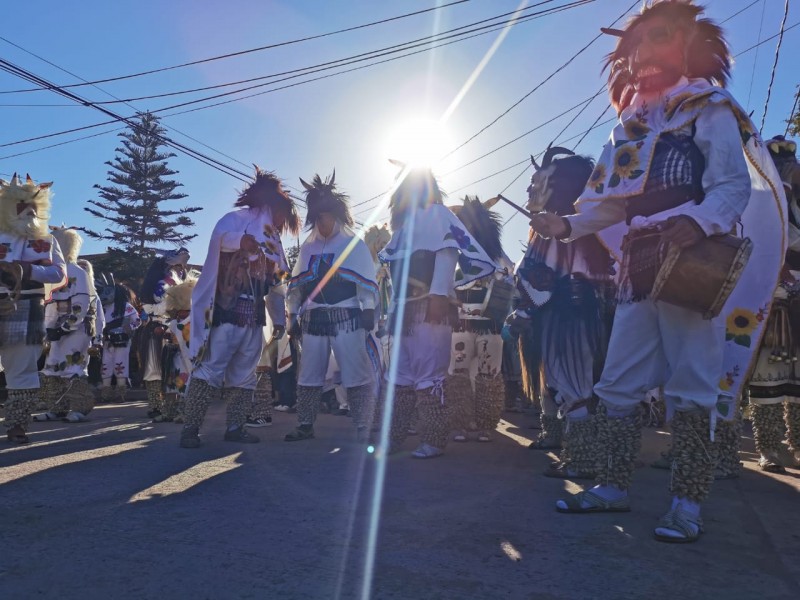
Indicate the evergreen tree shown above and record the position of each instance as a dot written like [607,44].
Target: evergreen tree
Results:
[133,203]
[794,120]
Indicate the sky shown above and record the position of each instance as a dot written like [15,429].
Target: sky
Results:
[431,102]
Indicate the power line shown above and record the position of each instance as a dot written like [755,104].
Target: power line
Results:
[251,50]
[183,104]
[364,56]
[539,85]
[774,64]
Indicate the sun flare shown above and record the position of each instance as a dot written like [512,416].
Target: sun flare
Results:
[418,142]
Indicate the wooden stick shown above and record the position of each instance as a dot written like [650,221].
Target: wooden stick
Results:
[517,206]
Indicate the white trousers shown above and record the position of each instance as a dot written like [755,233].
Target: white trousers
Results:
[232,356]
[116,362]
[19,364]
[654,344]
[424,356]
[350,350]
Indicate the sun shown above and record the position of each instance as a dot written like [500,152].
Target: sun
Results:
[418,142]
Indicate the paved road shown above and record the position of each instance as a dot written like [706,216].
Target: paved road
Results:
[112,508]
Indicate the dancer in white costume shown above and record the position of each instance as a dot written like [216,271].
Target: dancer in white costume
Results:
[69,321]
[29,259]
[332,297]
[245,260]
[428,243]
[122,319]
[684,163]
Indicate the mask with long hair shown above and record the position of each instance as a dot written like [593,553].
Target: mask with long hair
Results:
[323,197]
[416,191]
[483,224]
[267,190]
[706,53]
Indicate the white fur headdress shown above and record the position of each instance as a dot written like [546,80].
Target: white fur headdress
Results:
[70,242]
[17,197]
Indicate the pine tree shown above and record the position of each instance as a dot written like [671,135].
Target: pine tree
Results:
[140,224]
[794,119]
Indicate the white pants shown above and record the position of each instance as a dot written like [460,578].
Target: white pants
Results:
[350,350]
[19,364]
[424,356]
[232,355]
[116,362]
[655,343]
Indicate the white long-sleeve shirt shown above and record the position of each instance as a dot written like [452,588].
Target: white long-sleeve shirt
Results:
[725,181]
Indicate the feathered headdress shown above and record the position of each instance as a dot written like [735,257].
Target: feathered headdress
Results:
[17,197]
[707,54]
[418,190]
[483,224]
[70,242]
[323,197]
[267,189]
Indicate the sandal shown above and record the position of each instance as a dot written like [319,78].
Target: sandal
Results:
[574,503]
[427,451]
[562,471]
[769,465]
[689,526]
[484,437]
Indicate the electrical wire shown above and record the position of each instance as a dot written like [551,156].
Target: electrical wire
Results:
[775,64]
[183,104]
[248,51]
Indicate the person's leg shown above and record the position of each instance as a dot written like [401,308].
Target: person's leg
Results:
[240,383]
[634,364]
[694,349]
[792,418]
[22,383]
[551,435]
[768,429]
[206,381]
[310,380]
[430,362]
[489,387]
[358,377]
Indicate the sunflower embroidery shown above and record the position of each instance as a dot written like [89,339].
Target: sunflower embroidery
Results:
[739,325]
[626,163]
[597,178]
[635,130]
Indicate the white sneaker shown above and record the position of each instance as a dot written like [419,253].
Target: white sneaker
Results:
[260,422]
[460,436]
[281,408]
[426,451]
[75,417]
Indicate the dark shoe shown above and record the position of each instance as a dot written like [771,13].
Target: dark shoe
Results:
[299,434]
[260,422]
[152,414]
[240,435]
[190,437]
[17,435]
[342,412]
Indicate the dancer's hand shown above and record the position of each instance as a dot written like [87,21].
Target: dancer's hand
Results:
[550,225]
[682,231]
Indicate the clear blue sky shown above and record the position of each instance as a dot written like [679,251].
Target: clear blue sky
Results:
[345,121]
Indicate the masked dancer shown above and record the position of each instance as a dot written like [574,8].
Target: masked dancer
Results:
[428,243]
[229,303]
[774,387]
[677,171]
[29,260]
[564,315]
[332,297]
[69,322]
[122,319]
[165,272]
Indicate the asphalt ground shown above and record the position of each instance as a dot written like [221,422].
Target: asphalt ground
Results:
[112,508]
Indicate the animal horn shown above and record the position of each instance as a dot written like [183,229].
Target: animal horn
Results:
[487,204]
[615,32]
[397,163]
[551,153]
[28,178]
[333,178]
[308,186]
[534,163]
[14,179]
